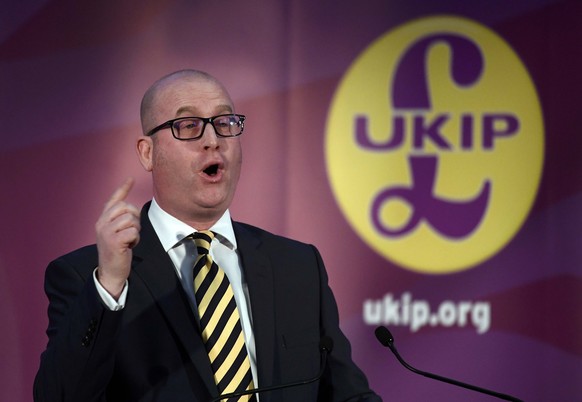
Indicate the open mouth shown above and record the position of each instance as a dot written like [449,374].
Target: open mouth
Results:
[211,170]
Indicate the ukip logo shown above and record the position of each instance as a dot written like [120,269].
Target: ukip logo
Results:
[440,174]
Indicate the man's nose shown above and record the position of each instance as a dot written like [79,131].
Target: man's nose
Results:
[209,137]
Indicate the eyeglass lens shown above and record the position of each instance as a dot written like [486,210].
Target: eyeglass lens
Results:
[192,127]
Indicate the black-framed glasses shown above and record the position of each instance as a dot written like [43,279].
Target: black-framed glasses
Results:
[192,128]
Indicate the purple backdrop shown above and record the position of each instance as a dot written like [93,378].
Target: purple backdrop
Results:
[73,74]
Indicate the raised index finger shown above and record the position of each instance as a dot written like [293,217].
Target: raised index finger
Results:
[121,193]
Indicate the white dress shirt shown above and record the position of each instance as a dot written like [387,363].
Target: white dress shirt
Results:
[223,250]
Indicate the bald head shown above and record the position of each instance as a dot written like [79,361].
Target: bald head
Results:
[152,95]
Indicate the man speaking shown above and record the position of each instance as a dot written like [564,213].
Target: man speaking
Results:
[177,302]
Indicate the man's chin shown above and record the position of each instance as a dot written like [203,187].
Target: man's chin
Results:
[213,206]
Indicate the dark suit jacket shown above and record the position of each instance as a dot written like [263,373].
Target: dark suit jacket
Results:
[152,349]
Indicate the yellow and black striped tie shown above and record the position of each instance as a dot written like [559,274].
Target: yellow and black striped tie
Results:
[220,322]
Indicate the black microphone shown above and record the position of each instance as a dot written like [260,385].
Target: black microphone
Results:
[386,339]
[325,347]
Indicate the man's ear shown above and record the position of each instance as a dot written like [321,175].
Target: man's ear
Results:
[144,148]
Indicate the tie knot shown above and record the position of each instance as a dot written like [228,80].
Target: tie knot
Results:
[202,240]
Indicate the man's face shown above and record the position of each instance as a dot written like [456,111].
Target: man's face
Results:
[193,180]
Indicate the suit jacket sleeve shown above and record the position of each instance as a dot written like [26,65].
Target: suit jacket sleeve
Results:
[78,361]
[342,380]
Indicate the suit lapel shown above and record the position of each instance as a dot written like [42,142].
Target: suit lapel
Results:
[156,270]
[153,266]
[259,276]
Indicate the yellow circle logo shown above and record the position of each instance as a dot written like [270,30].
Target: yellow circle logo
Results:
[435,143]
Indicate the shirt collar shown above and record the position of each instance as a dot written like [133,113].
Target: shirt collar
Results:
[171,231]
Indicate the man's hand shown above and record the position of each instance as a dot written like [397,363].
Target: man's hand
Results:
[117,233]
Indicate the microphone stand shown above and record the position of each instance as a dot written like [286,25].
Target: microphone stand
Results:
[386,339]
[326,345]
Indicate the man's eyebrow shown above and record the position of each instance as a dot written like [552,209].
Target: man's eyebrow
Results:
[227,108]
[224,109]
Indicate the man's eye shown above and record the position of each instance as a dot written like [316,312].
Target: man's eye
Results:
[188,124]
